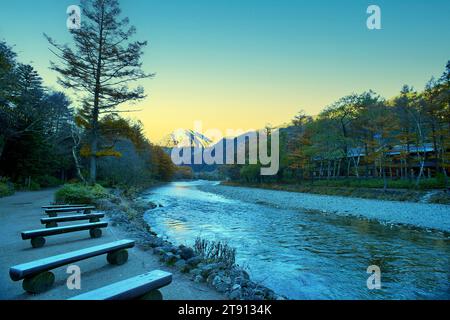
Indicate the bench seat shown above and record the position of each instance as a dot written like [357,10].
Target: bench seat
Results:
[38,240]
[131,288]
[92,217]
[61,230]
[55,211]
[59,206]
[36,275]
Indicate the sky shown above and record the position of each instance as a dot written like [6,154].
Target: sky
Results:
[242,64]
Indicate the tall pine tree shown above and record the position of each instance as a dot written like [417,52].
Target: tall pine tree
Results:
[100,67]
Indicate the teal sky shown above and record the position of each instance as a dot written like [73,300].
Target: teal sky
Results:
[244,63]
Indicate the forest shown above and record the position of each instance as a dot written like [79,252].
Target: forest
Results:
[48,138]
[43,142]
[399,142]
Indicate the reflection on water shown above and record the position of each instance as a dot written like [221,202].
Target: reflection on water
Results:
[306,255]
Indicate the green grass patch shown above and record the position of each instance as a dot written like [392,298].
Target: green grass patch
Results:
[79,193]
[429,183]
[345,191]
[6,189]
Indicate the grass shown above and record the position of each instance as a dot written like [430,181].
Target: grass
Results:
[215,251]
[79,193]
[430,183]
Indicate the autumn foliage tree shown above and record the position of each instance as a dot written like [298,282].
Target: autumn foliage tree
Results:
[366,135]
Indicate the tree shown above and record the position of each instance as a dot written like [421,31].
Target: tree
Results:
[164,168]
[299,146]
[7,84]
[380,124]
[441,99]
[101,67]
[344,114]
[7,74]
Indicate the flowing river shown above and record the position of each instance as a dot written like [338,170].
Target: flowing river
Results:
[305,255]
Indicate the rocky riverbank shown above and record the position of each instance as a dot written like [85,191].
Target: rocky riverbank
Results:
[230,280]
[422,215]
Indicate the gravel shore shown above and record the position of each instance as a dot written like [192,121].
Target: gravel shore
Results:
[430,216]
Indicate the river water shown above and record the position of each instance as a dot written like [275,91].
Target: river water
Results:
[305,255]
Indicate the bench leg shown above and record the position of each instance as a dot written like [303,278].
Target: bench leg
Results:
[152,295]
[117,257]
[51,225]
[38,242]
[38,283]
[95,233]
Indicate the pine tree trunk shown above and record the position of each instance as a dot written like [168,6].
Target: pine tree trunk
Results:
[96,109]
[93,162]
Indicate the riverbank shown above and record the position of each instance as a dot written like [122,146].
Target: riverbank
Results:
[225,278]
[429,216]
[334,188]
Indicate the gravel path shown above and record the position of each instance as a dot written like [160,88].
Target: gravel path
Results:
[432,216]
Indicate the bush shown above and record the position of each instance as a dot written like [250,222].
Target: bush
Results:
[251,173]
[34,186]
[6,188]
[183,173]
[79,193]
[215,251]
[48,181]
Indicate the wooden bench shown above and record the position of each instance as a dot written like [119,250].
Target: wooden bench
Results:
[57,206]
[53,222]
[36,275]
[38,240]
[144,286]
[54,212]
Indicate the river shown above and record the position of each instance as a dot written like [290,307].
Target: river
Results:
[305,255]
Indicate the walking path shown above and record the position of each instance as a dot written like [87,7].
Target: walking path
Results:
[22,211]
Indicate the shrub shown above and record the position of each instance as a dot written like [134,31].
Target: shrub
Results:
[79,193]
[184,173]
[6,188]
[34,186]
[215,251]
[251,173]
[48,181]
